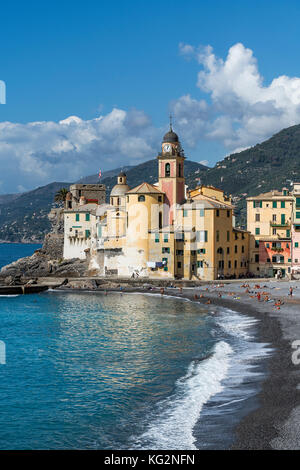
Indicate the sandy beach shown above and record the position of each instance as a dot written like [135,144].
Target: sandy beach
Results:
[275,424]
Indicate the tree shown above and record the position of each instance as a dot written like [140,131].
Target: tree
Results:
[61,195]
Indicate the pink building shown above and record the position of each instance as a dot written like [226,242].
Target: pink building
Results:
[295,251]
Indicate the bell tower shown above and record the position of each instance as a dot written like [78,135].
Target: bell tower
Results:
[171,173]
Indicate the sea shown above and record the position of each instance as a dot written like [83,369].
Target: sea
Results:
[123,370]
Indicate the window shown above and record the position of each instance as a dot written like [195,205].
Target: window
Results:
[193,252]
[228,250]
[141,198]
[243,249]
[257,204]
[167,169]
[87,233]
[201,212]
[274,205]
[229,264]
[256,243]
[217,235]
[274,217]
[179,264]
[159,199]
[257,217]
[185,213]
[228,235]
[179,170]
[298,202]
[127,198]
[235,263]
[202,236]
[228,213]
[160,220]
[296,244]
[235,248]
[218,213]
[166,268]
[199,264]
[236,237]
[179,252]
[256,258]
[165,249]
[87,217]
[77,217]
[268,260]
[274,259]
[166,239]
[297,215]
[157,238]
[282,204]
[268,245]
[201,251]
[282,219]
[288,233]
[274,231]
[257,231]
[281,259]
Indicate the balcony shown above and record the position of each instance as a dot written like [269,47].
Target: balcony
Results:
[286,225]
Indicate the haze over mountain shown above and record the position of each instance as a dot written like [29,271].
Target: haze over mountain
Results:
[270,165]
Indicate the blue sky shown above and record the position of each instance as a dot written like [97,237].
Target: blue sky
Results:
[121,67]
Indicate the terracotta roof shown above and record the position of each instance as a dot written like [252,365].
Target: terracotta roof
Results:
[210,202]
[270,195]
[145,188]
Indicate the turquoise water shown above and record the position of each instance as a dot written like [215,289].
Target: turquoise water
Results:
[89,371]
[10,252]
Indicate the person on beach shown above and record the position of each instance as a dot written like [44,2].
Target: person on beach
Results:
[258,296]
[162,291]
[291,291]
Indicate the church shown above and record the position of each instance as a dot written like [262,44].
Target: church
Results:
[163,230]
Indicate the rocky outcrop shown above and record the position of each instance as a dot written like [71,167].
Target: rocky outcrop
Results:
[47,261]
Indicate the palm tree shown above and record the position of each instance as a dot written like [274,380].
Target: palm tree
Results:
[60,196]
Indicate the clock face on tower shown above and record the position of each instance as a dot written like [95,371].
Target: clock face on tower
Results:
[167,148]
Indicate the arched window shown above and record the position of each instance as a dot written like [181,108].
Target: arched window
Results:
[179,170]
[141,198]
[118,201]
[167,169]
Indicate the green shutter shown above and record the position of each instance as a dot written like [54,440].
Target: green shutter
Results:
[77,217]
[282,219]
[87,217]
[260,203]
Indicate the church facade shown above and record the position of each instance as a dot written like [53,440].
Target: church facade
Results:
[157,231]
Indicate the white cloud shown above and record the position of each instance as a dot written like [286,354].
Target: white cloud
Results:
[40,152]
[242,110]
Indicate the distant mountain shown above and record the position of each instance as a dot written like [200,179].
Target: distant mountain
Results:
[106,174]
[25,218]
[270,165]
[148,171]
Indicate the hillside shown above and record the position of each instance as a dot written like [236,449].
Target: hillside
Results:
[147,171]
[25,218]
[270,165]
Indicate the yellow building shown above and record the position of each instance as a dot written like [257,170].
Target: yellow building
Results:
[154,231]
[269,222]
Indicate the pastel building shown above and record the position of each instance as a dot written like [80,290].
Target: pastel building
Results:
[159,231]
[269,220]
[296,231]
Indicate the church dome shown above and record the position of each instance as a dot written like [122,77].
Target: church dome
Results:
[171,136]
[119,190]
